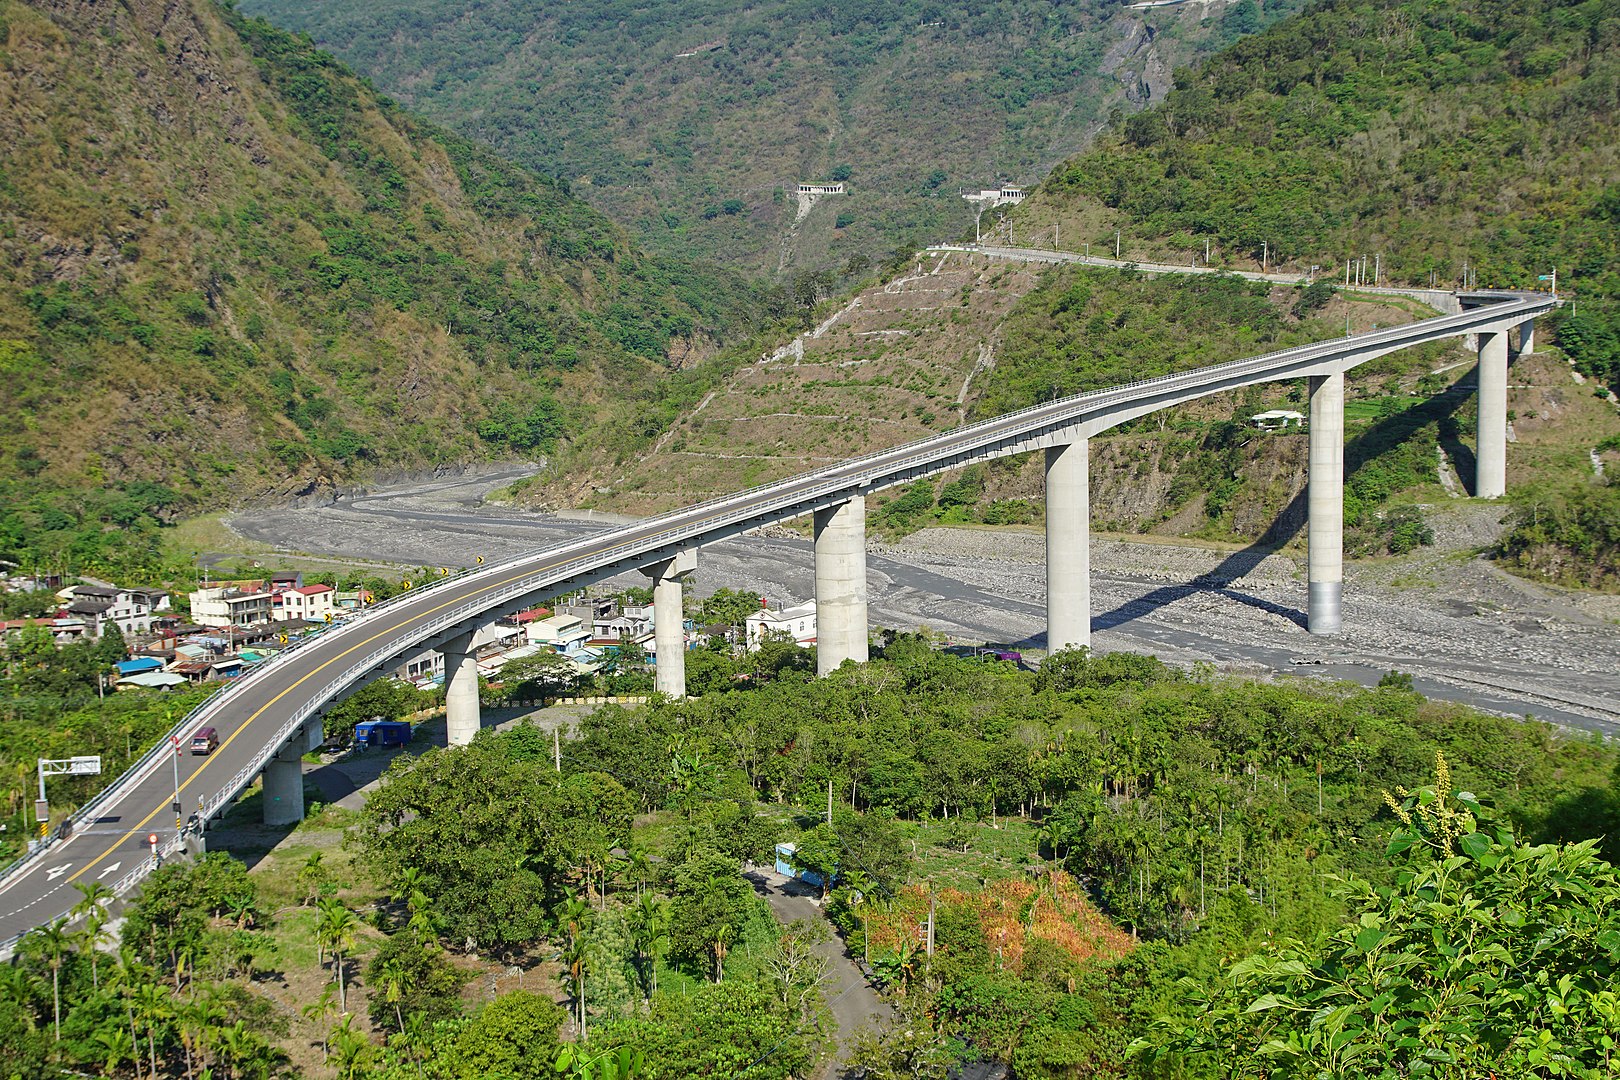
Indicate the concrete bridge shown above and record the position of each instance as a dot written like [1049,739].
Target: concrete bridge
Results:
[268,719]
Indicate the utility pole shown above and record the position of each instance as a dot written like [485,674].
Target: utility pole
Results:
[556,749]
[1116,243]
[1378,268]
[1054,236]
[1265,252]
[175,739]
[930,941]
[829,802]
[1206,251]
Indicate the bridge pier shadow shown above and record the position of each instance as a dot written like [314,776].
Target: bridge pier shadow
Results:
[1359,452]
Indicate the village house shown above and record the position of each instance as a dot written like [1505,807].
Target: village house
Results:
[797,622]
[232,605]
[131,610]
[312,603]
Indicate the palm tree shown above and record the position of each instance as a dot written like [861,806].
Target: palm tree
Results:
[318,1010]
[95,920]
[114,1047]
[648,919]
[859,887]
[640,869]
[335,927]
[393,976]
[151,1003]
[410,882]
[127,976]
[722,943]
[53,940]
[353,1049]
[576,914]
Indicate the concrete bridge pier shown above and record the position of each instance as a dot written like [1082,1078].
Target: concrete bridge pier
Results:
[841,632]
[1068,546]
[461,713]
[1490,455]
[1325,503]
[1527,337]
[284,778]
[669,621]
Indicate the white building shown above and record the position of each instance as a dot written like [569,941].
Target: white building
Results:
[100,606]
[311,602]
[230,606]
[797,622]
[565,633]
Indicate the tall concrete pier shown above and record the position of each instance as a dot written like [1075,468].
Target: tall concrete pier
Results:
[1068,545]
[1325,502]
[284,778]
[669,621]
[461,712]
[841,632]
[1490,457]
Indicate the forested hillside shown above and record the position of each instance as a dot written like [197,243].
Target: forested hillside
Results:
[1435,138]
[230,270]
[686,119]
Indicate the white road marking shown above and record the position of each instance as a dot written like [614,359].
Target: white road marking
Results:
[57,871]
[109,870]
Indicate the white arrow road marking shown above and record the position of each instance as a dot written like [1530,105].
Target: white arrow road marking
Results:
[109,870]
[57,871]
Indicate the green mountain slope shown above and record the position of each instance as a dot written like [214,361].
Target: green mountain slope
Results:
[1433,135]
[686,119]
[1438,138]
[229,269]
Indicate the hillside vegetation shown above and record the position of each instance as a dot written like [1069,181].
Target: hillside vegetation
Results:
[1434,136]
[229,269]
[686,120]
[1097,844]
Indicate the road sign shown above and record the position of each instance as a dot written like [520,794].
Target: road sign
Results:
[151,838]
[84,766]
[444,571]
[42,810]
[480,560]
[1544,277]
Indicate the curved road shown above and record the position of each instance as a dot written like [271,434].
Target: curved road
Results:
[265,709]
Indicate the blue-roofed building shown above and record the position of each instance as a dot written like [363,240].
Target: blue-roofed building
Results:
[139,665]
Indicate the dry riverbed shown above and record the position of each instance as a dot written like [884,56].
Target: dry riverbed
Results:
[1463,627]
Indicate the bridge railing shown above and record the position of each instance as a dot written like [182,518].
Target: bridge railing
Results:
[690,521]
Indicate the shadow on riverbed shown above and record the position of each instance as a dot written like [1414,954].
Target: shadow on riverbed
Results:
[1359,453]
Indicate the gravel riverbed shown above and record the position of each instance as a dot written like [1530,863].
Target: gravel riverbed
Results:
[1462,627]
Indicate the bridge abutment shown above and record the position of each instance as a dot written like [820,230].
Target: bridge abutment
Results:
[1325,502]
[841,632]
[1490,454]
[461,712]
[669,621]
[1068,546]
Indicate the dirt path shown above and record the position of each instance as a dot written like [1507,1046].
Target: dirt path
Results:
[854,1003]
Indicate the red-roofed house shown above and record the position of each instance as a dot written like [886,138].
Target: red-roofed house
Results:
[312,603]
